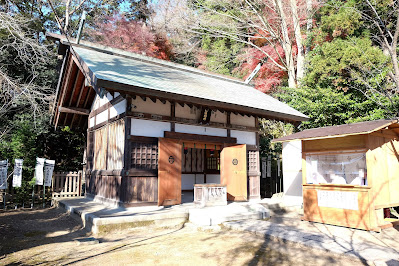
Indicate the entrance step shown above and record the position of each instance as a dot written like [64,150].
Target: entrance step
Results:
[210,216]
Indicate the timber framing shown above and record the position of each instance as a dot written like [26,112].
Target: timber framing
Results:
[201,138]
[183,99]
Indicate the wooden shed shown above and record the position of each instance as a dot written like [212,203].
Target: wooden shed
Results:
[155,128]
[350,173]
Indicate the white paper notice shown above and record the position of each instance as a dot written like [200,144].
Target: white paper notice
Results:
[3,174]
[48,172]
[17,176]
[338,199]
[39,171]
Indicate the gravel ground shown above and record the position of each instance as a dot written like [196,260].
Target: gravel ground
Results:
[48,237]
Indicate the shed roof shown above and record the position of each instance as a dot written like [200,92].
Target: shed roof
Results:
[116,69]
[339,131]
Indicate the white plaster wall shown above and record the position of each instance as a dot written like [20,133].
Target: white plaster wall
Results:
[201,130]
[187,112]
[95,103]
[242,120]
[117,109]
[100,102]
[292,172]
[213,179]
[149,128]
[91,122]
[101,117]
[149,106]
[188,180]
[108,97]
[218,117]
[244,137]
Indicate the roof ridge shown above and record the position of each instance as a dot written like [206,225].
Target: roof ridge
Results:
[152,60]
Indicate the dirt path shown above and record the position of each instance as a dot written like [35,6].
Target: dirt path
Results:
[47,237]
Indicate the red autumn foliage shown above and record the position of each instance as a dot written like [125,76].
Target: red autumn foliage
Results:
[270,75]
[133,36]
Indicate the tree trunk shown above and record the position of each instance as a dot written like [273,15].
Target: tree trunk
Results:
[300,59]
[287,46]
[309,24]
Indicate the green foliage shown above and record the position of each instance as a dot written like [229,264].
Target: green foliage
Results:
[347,76]
[339,62]
[329,106]
[340,18]
[269,130]
[30,139]
[221,54]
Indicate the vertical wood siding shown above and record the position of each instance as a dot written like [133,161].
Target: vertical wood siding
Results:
[116,144]
[100,148]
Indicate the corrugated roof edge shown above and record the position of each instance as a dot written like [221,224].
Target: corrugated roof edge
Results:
[152,60]
[293,137]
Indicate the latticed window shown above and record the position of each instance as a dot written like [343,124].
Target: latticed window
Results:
[253,161]
[144,156]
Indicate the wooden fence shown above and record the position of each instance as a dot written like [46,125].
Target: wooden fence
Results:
[67,184]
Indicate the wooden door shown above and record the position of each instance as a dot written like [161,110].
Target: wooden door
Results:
[169,172]
[233,171]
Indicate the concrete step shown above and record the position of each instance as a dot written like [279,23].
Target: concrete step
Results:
[97,219]
[210,216]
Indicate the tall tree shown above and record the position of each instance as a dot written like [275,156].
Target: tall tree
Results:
[272,28]
[133,36]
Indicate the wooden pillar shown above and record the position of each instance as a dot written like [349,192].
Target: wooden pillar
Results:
[228,123]
[128,121]
[172,116]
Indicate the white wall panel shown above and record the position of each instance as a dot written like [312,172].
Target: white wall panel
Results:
[187,112]
[242,120]
[218,117]
[292,172]
[91,122]
[117,109]
[244,137]
[201,130]
[105,99]
[149,128]
[188,180]
[102,117]
[150,107]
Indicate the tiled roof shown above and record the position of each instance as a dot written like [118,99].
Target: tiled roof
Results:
[138,71]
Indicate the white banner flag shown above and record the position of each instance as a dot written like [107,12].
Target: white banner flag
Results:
[39,171]
[48,172]
[3,174]
[17,176]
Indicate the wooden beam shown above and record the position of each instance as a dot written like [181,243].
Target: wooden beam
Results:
[200,138]
[111,85]
[108,105]
[74,110]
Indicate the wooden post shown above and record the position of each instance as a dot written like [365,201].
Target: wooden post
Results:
[128,121]
[228,122]
[172,116]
